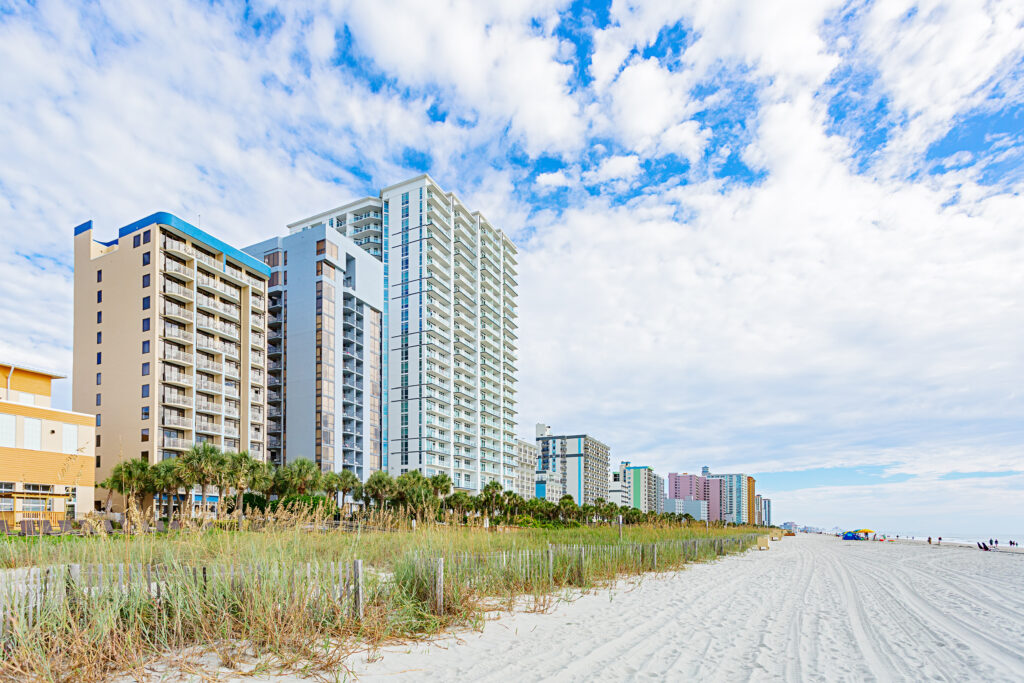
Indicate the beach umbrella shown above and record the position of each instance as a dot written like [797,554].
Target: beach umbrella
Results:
[864,531]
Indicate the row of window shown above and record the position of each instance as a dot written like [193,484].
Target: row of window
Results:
[32,434]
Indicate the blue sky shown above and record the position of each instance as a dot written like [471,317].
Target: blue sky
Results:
[778,237]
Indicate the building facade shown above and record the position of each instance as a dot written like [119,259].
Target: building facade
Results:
[660,482]
[698,509]
[324,347]
[751,511]
[526,471]
[450,326]
[47,456]
[170,337]
[579,461]
[735,499]
[758,509]
[694,487]
[640,487]
[766,511]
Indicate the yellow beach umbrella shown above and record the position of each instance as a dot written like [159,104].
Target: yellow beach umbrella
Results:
[864,531]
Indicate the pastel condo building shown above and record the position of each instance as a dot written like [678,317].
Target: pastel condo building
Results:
[47,462]
[170,342]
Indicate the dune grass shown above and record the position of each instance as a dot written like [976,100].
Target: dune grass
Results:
[287,594]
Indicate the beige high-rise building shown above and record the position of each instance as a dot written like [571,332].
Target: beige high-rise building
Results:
[526,473]
[170,337]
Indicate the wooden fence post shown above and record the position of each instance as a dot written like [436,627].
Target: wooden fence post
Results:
[620,527]
[551,565]
[583,566]
[654,557]
[439,585]
[357,576]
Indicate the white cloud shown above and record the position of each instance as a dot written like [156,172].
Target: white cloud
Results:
[553,179]
[614,168]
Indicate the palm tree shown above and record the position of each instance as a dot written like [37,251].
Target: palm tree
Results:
[567,507]
[197,466]
[490,495]
[347,482]
[330,482]
[304,476]
[442,484]
[167,480]
[379,487]
[244,470]
[131,479]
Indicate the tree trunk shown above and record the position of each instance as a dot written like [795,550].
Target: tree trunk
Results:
[110,500]
[238,504]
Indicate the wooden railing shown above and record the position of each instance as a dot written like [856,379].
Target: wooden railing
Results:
[14,517]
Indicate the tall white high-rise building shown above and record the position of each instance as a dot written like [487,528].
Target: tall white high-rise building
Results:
[449,359]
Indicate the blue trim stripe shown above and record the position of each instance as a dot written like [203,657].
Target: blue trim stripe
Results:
[165,218]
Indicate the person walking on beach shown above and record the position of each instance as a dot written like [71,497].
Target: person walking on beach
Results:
[929,540]
[940,540]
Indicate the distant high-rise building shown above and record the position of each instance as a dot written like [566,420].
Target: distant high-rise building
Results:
[526,469]
[170,342]
[579,461]
[449,319]
[693,487]
[326,305]
[766,511]
[751,510]
[758,509]
[638,487]
[735,500]
[47,456]
[660,481]
[698,509]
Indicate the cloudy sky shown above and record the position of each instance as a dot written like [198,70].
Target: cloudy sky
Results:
[785,238]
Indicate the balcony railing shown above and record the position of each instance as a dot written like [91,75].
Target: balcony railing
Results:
[171,442]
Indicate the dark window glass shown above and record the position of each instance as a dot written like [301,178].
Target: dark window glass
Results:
[98,400]
[99,316]
[145,303]
[145,434]
[99,378]
[99,358]
[99,296]
[137,240]
[99,276]
[97,442]
[145,259]
[145,237]
[145,412]
[145,324]
[99,337]
[145,280]
[145,391]
[144,456]
[145,346]
[145,369]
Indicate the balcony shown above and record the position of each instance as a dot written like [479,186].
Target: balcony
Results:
[230,390]
[178,378]
[207,427]
[255,282]
[179,313]
[172,266]
[209,365]
[173,354]
[231,410]
[176,399]
[178,246]
[174,289]
[171,420]
[231,431]
[205,406]
[207,385]
[175,443]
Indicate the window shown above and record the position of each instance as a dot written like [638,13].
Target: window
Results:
[97,461]
[97,441]
[99,337]
[145,237]
[145,434]
[145,412]
[145,303]
[69,438]
[145,324]
[33,430]
[145,369]
[99,399]
[145,280]
[137,241]
[98,420]
[99,378]
[145,391]
[7,430]
[145,346]
[145,259]
[144,456]
[321,247]
[99,296]
[99,276]
[99,317]
[99,358]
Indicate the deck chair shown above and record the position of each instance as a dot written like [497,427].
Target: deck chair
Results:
[67,526]
[175,525]
[5,530]
[109,528]
[28,528]
[160,528]
[46,529]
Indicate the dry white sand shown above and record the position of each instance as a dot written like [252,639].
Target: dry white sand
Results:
[811,608]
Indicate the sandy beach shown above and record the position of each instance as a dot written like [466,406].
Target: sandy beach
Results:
[811,608]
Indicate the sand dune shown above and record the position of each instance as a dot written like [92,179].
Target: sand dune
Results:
[811,608]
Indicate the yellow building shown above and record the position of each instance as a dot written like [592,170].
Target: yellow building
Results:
[170,343]
[751,502]
[47,461]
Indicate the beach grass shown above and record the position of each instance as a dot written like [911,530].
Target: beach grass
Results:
[86,608]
